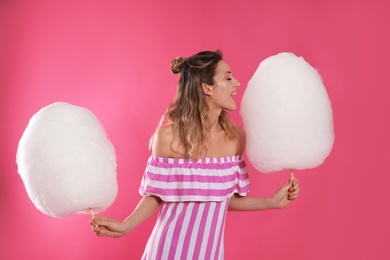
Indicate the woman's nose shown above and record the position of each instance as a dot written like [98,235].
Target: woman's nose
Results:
[237,84]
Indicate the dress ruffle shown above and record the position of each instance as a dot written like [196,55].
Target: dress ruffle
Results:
[206,179]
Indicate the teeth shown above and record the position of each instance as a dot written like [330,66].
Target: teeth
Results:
[234,93]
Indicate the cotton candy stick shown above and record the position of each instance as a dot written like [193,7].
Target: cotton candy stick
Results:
[93,217]
[92,214]
[292,175]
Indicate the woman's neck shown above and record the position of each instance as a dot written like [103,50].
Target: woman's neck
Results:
[213,117]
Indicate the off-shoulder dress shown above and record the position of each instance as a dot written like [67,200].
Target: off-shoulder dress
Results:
[195,195]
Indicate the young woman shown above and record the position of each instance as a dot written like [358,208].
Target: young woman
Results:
[196,171]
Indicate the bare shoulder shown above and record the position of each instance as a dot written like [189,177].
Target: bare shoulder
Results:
[162,141]
[241,141]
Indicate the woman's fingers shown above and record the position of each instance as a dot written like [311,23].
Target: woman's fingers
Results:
[294,190]
[102,231]
[105,226]
[93,223]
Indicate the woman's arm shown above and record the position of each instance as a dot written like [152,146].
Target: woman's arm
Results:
[106,226]
[282,197]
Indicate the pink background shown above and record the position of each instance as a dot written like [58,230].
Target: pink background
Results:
[113,57]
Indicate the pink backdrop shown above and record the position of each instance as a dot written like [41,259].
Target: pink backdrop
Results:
[112,57]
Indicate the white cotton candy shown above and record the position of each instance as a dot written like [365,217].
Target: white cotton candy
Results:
[287,115]
[66,161]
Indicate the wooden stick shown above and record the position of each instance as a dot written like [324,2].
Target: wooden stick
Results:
[93,214]
[292,175]
[93,217]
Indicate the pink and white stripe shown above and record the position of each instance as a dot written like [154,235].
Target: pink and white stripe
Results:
[207,179]
[195,196]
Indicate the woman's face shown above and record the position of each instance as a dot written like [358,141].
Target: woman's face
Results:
[224,89]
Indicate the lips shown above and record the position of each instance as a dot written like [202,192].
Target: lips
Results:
[232,95]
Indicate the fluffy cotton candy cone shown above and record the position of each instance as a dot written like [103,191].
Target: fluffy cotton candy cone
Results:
[66,161]
[287,115]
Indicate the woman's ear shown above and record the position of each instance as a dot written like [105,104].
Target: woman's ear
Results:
[207,89]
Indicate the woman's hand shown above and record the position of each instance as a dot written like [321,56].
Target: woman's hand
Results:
[105,226]
[286,194]
[283,196]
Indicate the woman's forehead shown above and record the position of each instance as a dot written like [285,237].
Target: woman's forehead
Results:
[222,68]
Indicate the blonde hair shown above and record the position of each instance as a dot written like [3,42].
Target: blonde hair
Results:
[188,112]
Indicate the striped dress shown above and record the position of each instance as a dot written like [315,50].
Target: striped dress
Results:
[195,195]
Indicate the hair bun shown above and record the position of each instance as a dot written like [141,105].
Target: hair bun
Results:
[177,64]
